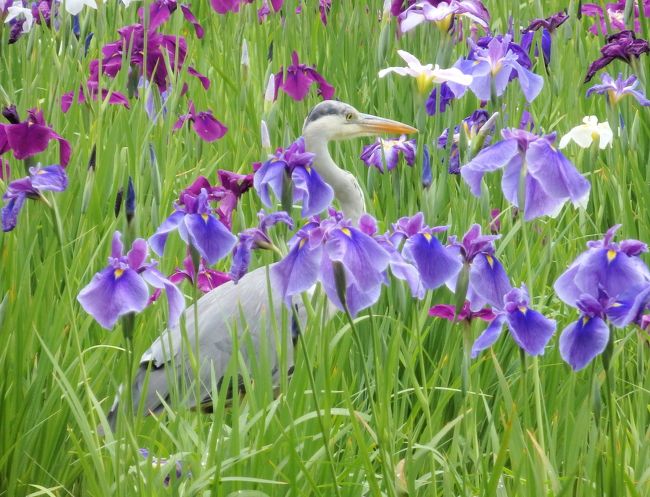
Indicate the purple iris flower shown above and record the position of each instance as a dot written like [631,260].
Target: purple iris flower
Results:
[206,279]
[203,123]
[298,79]
[40,179]
[435,264]
[438,102]
[530,329]
[494,65]
[121,287]
[471,125]
[427,173]
[30,137]
[619,88]
[547,26]
[549,178]
[349,263]
[92,89]
[197,226]
[623,46]
[586,338]
[448,312]
[294,165]
[616,15]
[387,152]
[255,238]
[233,186]
[161,10]
[488,282]
[225,6]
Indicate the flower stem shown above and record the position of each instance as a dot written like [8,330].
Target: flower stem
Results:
[611,408]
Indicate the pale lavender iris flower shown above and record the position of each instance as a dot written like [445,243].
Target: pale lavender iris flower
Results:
[616,89]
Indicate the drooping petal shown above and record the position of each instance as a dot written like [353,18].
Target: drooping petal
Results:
[583,340]
[308,187]
[298,271]
[159,238]
[530,329]
[270,176]
[208,127]
[489,159]
[209,236]
[10,212]
[488,280]
[628,306]
[356,298]
[433,262]
[489,336]
[175,299]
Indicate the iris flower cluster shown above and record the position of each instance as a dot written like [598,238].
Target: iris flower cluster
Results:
[623,46]
[607,283]
[615,12]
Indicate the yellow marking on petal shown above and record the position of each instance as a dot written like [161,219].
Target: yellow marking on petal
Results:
[427,236]
[611,255]
[118,273]
[523,309]
[41,171]
[490,260]
[444,24]
[616,304]
[308,169]
[347,232]
[585,320]
[205,217]
[302,242]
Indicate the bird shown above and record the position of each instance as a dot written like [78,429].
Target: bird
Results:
[248,309]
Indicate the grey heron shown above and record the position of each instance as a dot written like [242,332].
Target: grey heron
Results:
[247,308]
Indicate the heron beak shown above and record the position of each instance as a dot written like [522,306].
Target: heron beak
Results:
[375,125]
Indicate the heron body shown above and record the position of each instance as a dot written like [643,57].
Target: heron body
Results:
[247,313]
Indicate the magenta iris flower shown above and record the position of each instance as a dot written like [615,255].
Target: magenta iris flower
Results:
[225,6]
[607,282]
[298,78]
[448,312]
[121,287]
[92,90]
[197,226]
[161,10]
[40,179]
[204,124]
[493,63]
[384,154]
[623,46]
[343,258]
[293,168]
[616,89]
[255,238]
[31,136]
[206,279]
[530,329]
[615,13]
[549,178]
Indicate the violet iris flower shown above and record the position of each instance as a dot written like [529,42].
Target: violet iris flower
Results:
[623,46]
[442,13]
[204,124]
[348,262]
[197,226]
[40,179]
[549,178]
[616,89]
[530,329]
[30,137]
[206,279]
[387,152]
[121,287]
[439,99]
[494,65]
[608,281]
[470,126]
[298,78]
[488,282]
[255,238]
[293,167]
[92,89]
[616,15]
[161,10]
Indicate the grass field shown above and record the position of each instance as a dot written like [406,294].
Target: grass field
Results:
[400,411]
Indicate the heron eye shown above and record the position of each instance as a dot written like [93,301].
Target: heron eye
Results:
[349,116]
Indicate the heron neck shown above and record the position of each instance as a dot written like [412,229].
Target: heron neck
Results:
[346,187]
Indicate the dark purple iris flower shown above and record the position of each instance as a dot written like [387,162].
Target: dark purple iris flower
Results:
[30,137]
[40,179]
[549,178]
[530,329]
[121,287]
[384,154]
[619,88]
[255,238]
[204,124]
[493,62]
[161,10]
[427,173]
[470,126]
[488,282]
[92,89]
[348,262]
[197,226]
[293,168]
[547,26]
[206,279]
[439,102]
[608,281]
[616,15]
[623,46]
[233,186]
[298,78]
[448,312]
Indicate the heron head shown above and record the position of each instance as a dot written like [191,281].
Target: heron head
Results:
[334,120]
